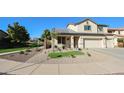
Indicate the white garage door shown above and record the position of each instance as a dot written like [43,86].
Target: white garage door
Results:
[110,43]
[93,43]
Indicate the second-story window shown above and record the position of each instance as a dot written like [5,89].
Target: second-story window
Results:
[87,27]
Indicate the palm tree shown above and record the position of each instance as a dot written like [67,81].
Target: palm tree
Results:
[54,36]
[46,36]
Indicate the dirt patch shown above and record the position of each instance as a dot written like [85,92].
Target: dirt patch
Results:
[21,57]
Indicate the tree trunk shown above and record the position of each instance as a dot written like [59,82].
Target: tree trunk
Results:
[53,45]
[45,43]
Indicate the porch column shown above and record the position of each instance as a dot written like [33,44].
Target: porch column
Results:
[72,42]
[54,42]
[105,42]
[115,42]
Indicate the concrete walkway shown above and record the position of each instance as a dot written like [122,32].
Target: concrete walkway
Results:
[98,63]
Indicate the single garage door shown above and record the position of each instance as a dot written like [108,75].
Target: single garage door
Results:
[93,43]
[110,43]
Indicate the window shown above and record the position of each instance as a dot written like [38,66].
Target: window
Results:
[61,40]
[109,31]
[87,27]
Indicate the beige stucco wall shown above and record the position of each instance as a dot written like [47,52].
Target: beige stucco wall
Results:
[115,32]
[81,41]
[55,41]
[105,29]
[115,41]
[122,32]
[80,27]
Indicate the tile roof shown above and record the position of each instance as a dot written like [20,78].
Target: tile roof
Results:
[86,20]
[120,35]
[115,29]
[64,30]
[71,32]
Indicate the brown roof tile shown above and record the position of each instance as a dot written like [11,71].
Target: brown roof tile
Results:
[115,29]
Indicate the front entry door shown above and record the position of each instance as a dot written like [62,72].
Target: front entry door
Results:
[76,42]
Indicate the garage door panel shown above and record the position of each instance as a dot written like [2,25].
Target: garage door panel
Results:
[110,43]
[93,43]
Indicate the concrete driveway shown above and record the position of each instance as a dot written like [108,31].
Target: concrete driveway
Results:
[114,52]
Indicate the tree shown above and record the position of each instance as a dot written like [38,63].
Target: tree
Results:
[53,36]
[18,34]
[120,39]
[46,36]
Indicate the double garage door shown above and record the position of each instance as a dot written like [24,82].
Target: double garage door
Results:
[98,43]
[92,43]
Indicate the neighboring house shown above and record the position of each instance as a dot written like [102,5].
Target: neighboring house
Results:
[3,39]
[87,34]
[3,34]
[118,33]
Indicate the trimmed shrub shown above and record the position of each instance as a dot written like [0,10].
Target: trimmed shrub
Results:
[63,47]
[22,52]
[73,56]
[120,44]
[120,39]
[59,56]
[33,45]
[89,54]
[38,49]
[79,49]
[27,50]
[55,46]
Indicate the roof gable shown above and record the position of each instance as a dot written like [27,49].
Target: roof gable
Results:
[88,20]
[85,21]
[3,32]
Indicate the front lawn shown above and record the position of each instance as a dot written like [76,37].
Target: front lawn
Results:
[11,49]
[65,54]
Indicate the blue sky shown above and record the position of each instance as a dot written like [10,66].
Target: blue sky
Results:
[36,25]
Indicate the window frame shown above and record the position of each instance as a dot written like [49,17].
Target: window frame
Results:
[87,27]
[61,40]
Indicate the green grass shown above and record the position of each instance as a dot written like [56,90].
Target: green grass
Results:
[11,49]
[64,54]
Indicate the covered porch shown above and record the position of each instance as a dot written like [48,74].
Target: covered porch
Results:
[68,41]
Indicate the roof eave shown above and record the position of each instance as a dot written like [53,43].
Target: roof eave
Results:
[96,34]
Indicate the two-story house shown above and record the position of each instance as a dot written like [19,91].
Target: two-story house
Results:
[86,34]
